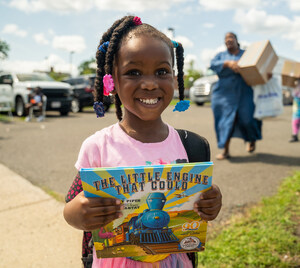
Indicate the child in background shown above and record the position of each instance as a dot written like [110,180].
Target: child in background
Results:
[135,63]
[35,99]
[296,113]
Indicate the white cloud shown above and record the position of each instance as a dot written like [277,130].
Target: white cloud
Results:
[294,34]
[208,54]
[53,5]
[51,32]
[136,5]
[228,4]
[14,30]
[53,60]
[294,5]
[186,43]
[66,6]
[208,25]
[41,39]
[188,59]
[258,21]
[69,43]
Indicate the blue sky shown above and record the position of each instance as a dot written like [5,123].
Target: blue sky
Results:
[43,33]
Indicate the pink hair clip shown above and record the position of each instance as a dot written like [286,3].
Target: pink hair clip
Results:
[108,84]
[137,21]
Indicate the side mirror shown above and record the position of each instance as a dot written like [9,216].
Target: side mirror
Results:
[8,81]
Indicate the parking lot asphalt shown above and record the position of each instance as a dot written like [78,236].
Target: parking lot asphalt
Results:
[42,155]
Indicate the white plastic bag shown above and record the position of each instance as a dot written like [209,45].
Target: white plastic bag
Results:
[268,99]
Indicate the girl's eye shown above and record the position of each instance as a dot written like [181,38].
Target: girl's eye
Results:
[133,73]
[162,72]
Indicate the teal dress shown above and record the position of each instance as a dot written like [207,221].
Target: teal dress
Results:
[232,103]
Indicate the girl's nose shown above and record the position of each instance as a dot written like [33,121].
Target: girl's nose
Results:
[149,83]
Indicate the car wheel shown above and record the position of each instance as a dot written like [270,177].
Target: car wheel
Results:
[75,106]
[64,112]
[20,107]
[200,103]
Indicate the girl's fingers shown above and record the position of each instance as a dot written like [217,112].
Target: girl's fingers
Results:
[97,222]
[209,210]
[213,192]
[208,202]
[207,217]
[106,210]
[103,201]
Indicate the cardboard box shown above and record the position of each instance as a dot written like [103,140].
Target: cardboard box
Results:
[290,73]
[257,62]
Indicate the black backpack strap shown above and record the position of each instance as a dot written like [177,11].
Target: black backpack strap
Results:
[198,150]
[196,146]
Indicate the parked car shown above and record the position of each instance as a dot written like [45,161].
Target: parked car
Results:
[17,86]
[83,96]
[201,90]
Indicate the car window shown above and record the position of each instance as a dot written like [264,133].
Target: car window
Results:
[2,77]
[92,81]
[5,77]
[34,77]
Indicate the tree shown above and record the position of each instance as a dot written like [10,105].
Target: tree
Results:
[191,75]
[4,48]
[87,67]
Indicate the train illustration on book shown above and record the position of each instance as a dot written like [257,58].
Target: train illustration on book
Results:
[149,227]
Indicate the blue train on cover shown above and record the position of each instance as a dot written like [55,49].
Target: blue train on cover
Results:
[151,226]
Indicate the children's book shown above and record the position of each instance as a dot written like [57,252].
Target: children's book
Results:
[158,215]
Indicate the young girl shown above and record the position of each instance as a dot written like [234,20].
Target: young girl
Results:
[296,113]
[135,63]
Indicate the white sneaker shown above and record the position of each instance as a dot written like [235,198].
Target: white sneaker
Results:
[27,119]
[41,118]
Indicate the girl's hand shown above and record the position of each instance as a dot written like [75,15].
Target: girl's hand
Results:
[209,204]
[92,213]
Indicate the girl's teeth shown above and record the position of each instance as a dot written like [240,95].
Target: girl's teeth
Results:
[149,101]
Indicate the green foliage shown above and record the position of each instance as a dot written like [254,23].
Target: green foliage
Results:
[4,49]
[87,67]
[267,237]
[191,75]
[58,76]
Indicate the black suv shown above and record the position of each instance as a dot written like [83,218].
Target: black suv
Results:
[83,87]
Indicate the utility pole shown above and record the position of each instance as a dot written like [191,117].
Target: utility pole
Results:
[71,55]
[171,32]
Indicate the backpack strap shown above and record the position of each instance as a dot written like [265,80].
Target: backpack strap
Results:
[197,149]
[196,146]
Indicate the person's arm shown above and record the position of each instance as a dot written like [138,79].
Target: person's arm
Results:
[217,63]
[233,65]
[89,213]
[209,203]
[223,67]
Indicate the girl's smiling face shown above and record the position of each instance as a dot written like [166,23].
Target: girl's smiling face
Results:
[144,78]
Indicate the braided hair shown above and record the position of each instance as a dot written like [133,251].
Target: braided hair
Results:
[115,35]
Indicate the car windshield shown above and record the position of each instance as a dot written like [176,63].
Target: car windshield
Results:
[34,77]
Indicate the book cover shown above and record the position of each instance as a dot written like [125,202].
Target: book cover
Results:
[158,215]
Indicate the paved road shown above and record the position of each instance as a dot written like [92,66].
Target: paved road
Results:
[45,153]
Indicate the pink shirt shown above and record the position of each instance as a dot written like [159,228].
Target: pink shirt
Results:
[112,147]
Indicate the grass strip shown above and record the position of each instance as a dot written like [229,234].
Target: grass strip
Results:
[268,234]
